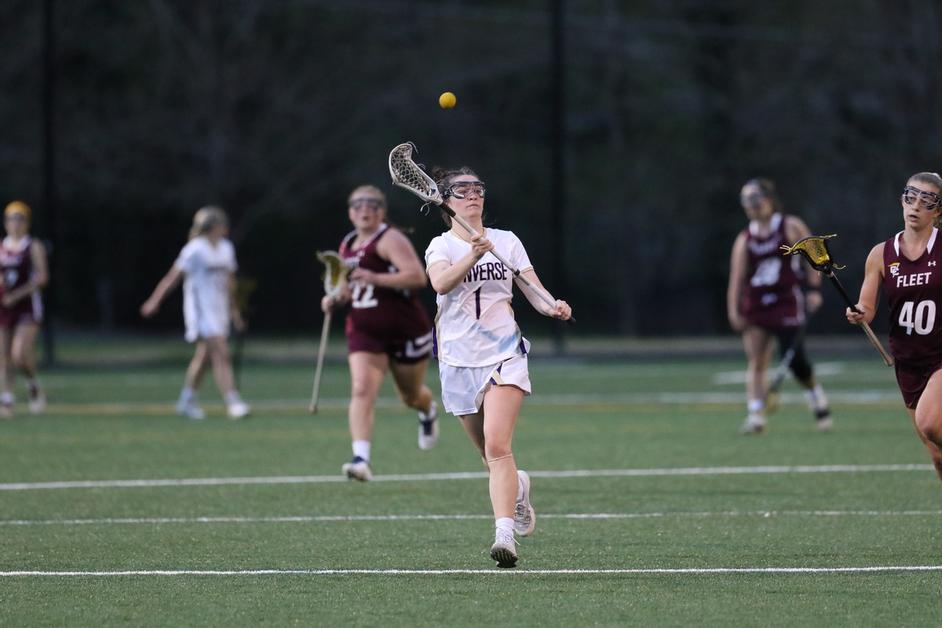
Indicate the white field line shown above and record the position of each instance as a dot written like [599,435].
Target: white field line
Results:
[485,572]
[583,516]
[469,475]
[825,369]
[262,406]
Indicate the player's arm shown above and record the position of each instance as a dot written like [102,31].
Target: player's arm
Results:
[737,273]
[870,289]
[396,248]
[445,277]
[170,281]
[795,230]
[561,309]
[38,279]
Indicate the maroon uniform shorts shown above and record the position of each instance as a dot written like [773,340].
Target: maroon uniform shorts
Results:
[407,345]
[21,312]
[912,380]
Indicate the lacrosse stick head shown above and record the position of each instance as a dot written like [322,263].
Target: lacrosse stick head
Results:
[409,175]
[815,251]
[335,272]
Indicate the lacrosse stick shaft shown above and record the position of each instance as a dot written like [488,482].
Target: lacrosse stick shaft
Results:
[872,337]
[319,368]
[544,296]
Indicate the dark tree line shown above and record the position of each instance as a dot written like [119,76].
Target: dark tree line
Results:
[276,109]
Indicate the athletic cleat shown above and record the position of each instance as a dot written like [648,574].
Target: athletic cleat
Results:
[428,427]
[754,424]
[504,549]
[824,424]
[191,410]
[357,469]
[37,400]
[524,515]
[238,410]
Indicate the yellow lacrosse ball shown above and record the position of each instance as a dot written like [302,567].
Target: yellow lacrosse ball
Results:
[447,100]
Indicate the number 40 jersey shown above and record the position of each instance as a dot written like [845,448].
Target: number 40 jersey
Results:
[913,290]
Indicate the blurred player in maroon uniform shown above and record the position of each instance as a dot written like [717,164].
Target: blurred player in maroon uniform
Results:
[907,266]
[25,273]
[765,300]
[386,328]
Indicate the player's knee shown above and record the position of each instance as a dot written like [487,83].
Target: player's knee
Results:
[411,397]
[360,390]
[928,424]
[495,451]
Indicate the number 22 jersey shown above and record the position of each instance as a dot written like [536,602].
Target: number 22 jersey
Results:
[913,290]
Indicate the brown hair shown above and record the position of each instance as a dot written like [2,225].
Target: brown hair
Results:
[443,178]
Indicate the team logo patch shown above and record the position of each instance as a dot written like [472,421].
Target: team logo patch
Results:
[894,269]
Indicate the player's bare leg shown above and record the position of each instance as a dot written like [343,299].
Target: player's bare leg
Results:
[6,374]
[927,418]
[366,376]
[757,344]
[23,352]
[410,384]
[218,350]
[501,408]
[188,403]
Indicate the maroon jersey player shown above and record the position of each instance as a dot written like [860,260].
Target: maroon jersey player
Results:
[24,273]
[907,267]
[386,326]
[765,300]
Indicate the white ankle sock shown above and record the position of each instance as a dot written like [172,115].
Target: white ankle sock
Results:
[233,397]
[361,448]
[504,523]
[186,394]
[755,406]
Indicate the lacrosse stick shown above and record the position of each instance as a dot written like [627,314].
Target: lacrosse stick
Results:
[335,278]
[409,175]
[815,251]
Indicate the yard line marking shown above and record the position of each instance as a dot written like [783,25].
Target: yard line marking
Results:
[467,475]
[466,517]
[486,572]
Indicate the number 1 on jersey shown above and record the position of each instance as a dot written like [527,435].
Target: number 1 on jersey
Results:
[477,302]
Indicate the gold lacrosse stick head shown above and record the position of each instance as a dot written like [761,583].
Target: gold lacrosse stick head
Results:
[335,272]
[815,251]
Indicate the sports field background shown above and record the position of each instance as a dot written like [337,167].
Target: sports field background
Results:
[636,467]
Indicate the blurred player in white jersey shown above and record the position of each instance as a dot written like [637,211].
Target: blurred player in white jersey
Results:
[24,273]
[207,266]
[481,352]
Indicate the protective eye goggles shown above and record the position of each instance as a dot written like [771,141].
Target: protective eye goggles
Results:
[369,203]
[751,199]
[930,200]
[463,188]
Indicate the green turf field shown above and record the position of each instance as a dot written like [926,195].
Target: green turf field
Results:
[636,467]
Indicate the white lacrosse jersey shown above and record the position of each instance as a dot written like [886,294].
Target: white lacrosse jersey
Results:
[475,324]
[207,269]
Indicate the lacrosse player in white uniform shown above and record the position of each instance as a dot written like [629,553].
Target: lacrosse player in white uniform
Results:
[207,265]
[481,352]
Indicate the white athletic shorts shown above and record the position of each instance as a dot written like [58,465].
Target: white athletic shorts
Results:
[463,387]
[205,325]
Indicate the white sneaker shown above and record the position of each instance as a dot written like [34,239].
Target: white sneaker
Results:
[428,427]
[238,410]
[504,549]
[754,424]
[191,410]
[524,515]
[357,469]
[825,424]
[37,401]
